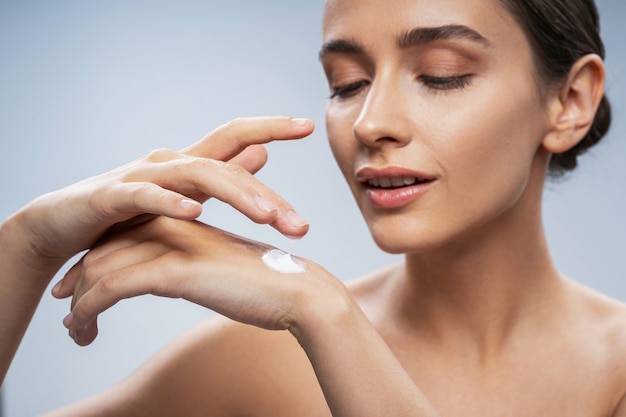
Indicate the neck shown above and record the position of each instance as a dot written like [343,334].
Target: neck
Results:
[479,290]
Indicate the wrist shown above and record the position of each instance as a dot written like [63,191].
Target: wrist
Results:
[18,242]
[331,307]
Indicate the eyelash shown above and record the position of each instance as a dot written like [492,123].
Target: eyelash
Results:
[446,83]
[434,83]
[345,91]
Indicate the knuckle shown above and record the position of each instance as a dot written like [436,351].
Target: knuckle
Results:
[235,170]
[88,262]
[99,200]
[234,123]
[197,166]
[225,170]
[138,191]
[174,285]
[231,130]
[108,285]
[224,128]
[160,155]
[90,276]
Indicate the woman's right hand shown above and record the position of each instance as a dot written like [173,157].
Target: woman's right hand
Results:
[37,240]
[173,184]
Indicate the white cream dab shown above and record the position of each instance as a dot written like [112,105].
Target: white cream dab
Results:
[283,262]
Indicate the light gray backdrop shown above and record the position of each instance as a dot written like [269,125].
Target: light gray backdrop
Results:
[88,86]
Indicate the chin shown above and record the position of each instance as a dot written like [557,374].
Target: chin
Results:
[404,241]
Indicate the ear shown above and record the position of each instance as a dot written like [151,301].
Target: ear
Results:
[573,108]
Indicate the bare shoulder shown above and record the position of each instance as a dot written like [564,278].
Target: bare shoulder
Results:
[602,325]
[219,367]
[372,290]
[227,368]
[605,315]
[375,294]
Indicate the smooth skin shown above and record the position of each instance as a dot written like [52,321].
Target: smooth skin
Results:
[475,322]
[44,235]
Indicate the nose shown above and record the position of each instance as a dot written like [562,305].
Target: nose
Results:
[384,117]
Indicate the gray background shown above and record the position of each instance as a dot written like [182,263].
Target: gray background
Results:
[88,86]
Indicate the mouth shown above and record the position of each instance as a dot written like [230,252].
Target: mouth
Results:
[394,182]
[391,177]
[393,187]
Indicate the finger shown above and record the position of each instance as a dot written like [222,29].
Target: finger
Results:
[230,139]
[126,199]
[104,263]
[86,334]
[131,281]
[161,168]
[235,186]
[202,178]
[67,285]
[253,158]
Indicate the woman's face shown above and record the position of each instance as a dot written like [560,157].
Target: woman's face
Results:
[435,116]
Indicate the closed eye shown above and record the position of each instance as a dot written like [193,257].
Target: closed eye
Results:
[348,90]
[446,83]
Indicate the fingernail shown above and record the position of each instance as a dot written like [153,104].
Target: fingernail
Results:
[295,220]
[264,205]
[301,122]
[188,204]
[67,321]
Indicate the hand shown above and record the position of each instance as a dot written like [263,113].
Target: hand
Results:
[196,262]
[168,183]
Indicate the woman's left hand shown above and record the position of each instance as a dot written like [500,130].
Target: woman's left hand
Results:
[187,259]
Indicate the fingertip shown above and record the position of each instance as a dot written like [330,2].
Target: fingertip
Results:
[292,225]
[191,208]
[296,237]
[57,290]
[296,221]
[302,231]
[189,205]
[303,122]
[68,321]
[306,126]
[61,293]
[85,335]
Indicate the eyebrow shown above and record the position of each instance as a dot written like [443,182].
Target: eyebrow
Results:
[414,37]
[420,36]
[340,46]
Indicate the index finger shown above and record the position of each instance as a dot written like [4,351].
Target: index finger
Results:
[230,139]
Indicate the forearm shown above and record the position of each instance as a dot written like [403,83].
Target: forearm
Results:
[23,279]
[357,371]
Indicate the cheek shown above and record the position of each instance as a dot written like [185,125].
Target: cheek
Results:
[339,127]
[491,147]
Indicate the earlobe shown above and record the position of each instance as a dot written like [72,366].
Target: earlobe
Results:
[574,109]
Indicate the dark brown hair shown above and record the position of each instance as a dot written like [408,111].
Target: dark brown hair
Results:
[561,32]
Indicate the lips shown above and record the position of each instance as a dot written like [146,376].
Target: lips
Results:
[393,187]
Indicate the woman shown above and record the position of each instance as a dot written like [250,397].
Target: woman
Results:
[445,118]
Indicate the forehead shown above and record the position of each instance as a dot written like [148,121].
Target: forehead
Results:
[376,20]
